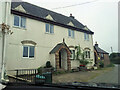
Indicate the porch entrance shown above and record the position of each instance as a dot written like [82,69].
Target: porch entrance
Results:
[63,59]
[62,56]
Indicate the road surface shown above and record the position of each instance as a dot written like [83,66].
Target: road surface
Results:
[108,77]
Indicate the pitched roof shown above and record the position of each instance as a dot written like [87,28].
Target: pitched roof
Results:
[99,50]
[42,13]
[57,47]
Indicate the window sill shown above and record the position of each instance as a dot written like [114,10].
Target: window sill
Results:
[19,27]
[71,37]
[28,58]
[87,40]
[49,33]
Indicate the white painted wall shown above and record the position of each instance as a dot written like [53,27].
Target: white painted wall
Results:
[35,31]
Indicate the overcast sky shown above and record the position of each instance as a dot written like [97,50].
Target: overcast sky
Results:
[100,16]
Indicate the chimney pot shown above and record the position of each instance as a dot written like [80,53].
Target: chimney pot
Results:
[71,16]
[96,44]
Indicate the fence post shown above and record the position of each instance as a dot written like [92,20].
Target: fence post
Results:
[35,75]
[16,75]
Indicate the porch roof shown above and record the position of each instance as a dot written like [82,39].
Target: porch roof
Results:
[58,46]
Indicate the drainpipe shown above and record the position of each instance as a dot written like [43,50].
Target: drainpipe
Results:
[4,33]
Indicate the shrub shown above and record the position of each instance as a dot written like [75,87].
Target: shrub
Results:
[40,70]
[84,62]
[101,64]
[115,60]
[48,64]
[111,65]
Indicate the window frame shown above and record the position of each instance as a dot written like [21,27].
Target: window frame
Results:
[73,54]
[86,37]
[102,56]
[71,33]
[50,28]
[87,54]
[28,57]
[20,21]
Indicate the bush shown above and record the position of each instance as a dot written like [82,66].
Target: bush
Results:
[84,62]
[111,65]
[40,70]
[48,64]
[101,64]
[115,60]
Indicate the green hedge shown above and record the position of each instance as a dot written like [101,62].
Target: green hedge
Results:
[115,60]
[111,65]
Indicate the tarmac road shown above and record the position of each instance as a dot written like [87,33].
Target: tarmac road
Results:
[108,77]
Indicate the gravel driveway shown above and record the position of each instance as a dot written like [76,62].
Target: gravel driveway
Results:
[79,76]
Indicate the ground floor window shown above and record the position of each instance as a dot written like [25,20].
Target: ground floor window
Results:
[87,54]
[28,51]
[72,56]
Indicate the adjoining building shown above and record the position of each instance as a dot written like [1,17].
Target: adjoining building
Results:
[101,56]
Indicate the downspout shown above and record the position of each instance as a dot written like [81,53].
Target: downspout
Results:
[4,33]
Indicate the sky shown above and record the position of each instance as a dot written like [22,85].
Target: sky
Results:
[100,16]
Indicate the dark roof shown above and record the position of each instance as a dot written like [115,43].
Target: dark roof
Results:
[99,50]
[57,47]
[42,13]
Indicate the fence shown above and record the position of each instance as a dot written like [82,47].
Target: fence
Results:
[28,76]
[22,75]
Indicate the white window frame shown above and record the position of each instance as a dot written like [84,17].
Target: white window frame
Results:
[28,51]
[86,36]
[72,54]
[20,17]
[49,29]
[88,56]
[71,33]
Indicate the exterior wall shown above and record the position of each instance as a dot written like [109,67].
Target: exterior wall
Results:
[74,63]
[106,60]
[35,31]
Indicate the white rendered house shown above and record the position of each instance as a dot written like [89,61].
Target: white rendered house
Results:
[40,35]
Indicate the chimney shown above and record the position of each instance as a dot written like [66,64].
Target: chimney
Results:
[71,16]
[96,44]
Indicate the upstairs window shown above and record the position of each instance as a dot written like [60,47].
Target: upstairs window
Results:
[28,51]
[86,36]
[49,28]
[19,21]
[102,56]
[71,33]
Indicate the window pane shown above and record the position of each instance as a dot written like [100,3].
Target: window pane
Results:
[25,51]
[89,54]
[72,33]
[85,54]
[47,27]
[16,20]
[23,22]
[51,29]
[69,32]
[31,51]
[84,36]
[88,37]
[71,54]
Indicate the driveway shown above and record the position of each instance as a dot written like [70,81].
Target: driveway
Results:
[79,76]
[107,77]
